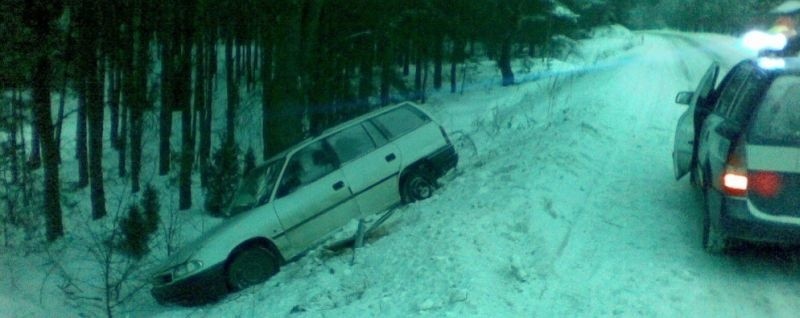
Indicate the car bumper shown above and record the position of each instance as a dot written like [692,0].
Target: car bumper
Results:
[444,160]
[738,222]
[201,288]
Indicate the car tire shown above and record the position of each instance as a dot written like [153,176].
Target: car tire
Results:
[714,240]
[251,266]
[416,187]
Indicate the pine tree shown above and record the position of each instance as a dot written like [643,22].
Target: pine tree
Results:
[134,232]
[224,178]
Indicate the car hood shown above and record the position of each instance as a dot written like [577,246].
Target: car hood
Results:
[214,245]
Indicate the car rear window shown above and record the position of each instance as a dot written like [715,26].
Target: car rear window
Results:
[777,121]
[401,120]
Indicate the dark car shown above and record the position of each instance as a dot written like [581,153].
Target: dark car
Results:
[740,142]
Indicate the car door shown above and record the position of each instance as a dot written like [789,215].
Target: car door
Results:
[371,164]
[313,197]
[736,101]
[683,154]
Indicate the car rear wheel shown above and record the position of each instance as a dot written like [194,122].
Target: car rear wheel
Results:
[250,267]
[714,240]
[417,187]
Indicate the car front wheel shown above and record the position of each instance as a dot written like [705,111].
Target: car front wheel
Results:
[250,267]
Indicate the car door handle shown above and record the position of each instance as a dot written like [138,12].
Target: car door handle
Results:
[391,157]
[338,185]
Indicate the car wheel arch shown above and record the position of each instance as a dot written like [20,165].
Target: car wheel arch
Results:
[255,242]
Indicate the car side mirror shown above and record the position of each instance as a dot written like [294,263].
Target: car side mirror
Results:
[729,129]
[684,98]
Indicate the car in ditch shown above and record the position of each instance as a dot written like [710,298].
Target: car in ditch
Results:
[295,200]
[740,143]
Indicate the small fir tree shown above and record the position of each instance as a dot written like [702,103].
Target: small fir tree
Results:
[224,178]
[134,232]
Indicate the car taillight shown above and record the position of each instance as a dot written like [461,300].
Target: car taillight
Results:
[734,178]
[766,184]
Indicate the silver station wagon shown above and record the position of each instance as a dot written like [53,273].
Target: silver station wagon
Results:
[298,198]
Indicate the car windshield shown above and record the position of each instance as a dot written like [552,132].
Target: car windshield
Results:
[778,119]
[256,186]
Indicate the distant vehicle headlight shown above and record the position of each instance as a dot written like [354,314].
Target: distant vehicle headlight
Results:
[768,63]
[758,41]
[186,268]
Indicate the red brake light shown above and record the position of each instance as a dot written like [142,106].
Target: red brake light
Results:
[765,184]
[734,179]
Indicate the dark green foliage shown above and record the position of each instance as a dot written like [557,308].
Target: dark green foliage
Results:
[141,223]
[135,233]
[249,161]
[150,208]
[223,178]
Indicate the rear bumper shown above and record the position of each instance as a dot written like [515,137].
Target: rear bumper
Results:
[444,160]
[738,222]
[201,288]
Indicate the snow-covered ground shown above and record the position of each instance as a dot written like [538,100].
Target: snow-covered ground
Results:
[564,204]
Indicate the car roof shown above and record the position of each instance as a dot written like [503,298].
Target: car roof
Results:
[340,127]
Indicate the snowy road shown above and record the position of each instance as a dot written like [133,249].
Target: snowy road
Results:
[633,247]
[568,208]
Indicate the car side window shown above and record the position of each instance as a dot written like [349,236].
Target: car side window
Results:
[306,166]
[377,135]
[401,121]
[731,87]
[351,143]
[749,95]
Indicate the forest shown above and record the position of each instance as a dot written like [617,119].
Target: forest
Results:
[311,63]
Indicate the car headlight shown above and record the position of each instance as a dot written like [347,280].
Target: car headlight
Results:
[186,268]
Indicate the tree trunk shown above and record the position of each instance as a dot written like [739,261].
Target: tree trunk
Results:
[387,70]
[139,101]
[35,158]
[205,126]
[457,56]
[183,98]
[406,58]
[287,100]
[122,144]
[233,90]
[504,63]
[418,76]
[199,83]
[165,131]
[52,192]
[187,154]
[41,14]
[113,104]
[266,97]
[365,85]
[81,153]
[93,72]
[438,59]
